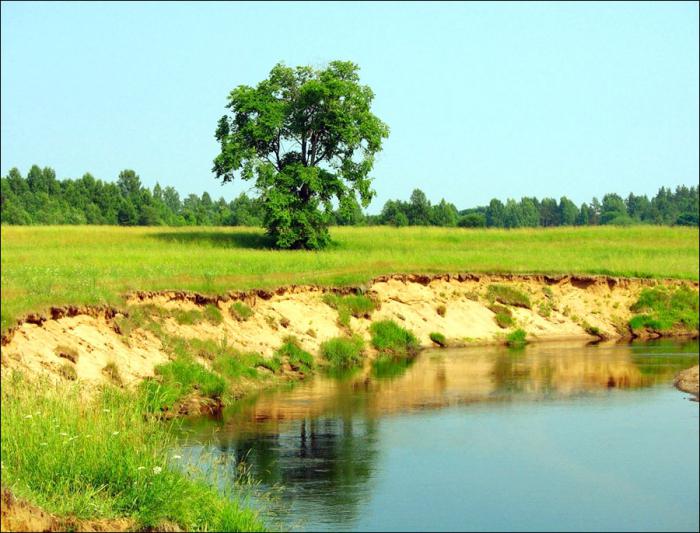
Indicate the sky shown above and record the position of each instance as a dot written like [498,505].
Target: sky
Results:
[483,99]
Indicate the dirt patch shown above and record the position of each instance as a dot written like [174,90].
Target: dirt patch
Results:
[19,515]
[687,381]
[562,308]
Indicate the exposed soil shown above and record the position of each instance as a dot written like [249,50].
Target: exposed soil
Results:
[88,338]
[19,515]
[687,381]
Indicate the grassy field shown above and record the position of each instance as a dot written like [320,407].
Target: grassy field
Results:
[55,265]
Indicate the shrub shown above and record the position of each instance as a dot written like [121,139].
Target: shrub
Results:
[441,310]
[343,352]
[240,311]
[516,338]
[508,296]
[391,339]
[356,305]
[213,314]
[439,339]
[299,359]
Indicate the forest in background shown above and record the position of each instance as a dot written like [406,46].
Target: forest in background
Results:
[41,198]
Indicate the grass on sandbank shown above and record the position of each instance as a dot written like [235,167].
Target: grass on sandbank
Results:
[343,352]
[663,310]
[100,459]
[356,305]
[392,340]
[59,265]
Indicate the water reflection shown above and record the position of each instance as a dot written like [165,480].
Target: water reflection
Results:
[320,441]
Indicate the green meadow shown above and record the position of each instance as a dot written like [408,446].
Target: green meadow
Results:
[53,265]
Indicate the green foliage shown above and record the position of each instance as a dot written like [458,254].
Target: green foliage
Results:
[67,370]
[503,316]
[544,309]
[39,266]
[240,311]
[391,339]
[439,339]
[299,359]
[100,459]
[233,364]
[662,310]
[508,296]
[516,338]
[306,136]
[189,317]
[213,314]
[177,379]
[343,352]
[356,305]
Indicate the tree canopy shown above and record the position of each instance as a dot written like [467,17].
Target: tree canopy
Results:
[306,137]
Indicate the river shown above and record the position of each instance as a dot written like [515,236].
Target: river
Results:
[549,437]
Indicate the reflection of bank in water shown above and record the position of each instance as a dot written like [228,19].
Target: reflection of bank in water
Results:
[439,378]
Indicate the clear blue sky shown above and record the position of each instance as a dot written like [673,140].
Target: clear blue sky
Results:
[483,100]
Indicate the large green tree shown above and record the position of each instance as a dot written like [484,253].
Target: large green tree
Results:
[306,137]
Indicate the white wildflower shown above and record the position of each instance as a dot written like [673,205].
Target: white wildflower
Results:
[73,438]
[27,416]
[177,456]
[63,434]
[43,444]
[141,468]
[105,410]
[115,433]
[157,470]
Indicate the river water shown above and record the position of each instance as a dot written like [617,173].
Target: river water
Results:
[549,437]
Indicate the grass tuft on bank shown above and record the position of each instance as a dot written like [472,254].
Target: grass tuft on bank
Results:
[392,340]
[663,310]
[343,352]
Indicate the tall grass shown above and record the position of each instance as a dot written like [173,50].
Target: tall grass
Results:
[392,340]
[51,265]
[99,458]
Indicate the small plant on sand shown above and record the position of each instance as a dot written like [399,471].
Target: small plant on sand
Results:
[593,330]
[472,295]
[544,309]
[299,360]
[272,322]
[343,352]
[391,339]
[357,305]
[68,371]
[508,296]
[547,292]
[516,338]
[311,332]
[503,316]
[439,339]
[285,322]
[213,314]
[441,310]
[189,317]
[67,353]
[240,311]
[112,372]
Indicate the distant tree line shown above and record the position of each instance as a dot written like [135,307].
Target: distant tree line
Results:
[40,198]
